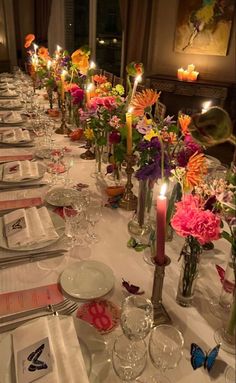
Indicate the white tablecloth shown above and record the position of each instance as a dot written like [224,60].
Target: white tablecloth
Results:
[196,323]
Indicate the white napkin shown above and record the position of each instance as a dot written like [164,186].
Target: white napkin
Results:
[17,228]
[12,117]
[15,136]
[12,171]
[20,170]
[68,365]
[8,92]
[47,224]
[36,227]
[6,85]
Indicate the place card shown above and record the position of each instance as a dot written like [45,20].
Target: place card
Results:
[15,226]
[24,300]
[33,362]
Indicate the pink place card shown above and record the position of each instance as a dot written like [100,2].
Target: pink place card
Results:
[16,157]
[29,299]
[20,203]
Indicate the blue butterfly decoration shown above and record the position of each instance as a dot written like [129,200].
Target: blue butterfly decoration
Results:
[199,358]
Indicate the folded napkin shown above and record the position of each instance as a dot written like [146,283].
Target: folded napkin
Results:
[8,93]
[16,136]
[6,85]
[11,118]
[25,227]
[66,359]
[20,170]
[9,104]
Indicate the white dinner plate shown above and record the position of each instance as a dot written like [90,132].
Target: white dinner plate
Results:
[41,167]
[87,280]
[61,196]
[93,348]
[59,225]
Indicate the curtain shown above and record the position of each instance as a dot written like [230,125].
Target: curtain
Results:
[41,17]
[56,27]
[136,20]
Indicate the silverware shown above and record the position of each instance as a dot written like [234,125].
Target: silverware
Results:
[13,325]
[29,259]
[48,308]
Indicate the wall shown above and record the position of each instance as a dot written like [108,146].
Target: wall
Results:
[162,58]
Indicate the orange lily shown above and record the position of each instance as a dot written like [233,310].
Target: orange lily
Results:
[143,100]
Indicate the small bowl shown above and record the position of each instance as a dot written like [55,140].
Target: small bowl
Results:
[113,191]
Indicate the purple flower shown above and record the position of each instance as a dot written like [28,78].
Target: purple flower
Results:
[190,148]
[169,120]
[142,126]
[192,145]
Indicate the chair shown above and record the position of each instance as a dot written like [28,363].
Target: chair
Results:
[108,75]
[118,81]
[97,71]
[160,110]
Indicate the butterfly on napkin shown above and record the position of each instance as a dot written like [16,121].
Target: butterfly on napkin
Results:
[199,358]
[132,289]
[227,285]
[36,364]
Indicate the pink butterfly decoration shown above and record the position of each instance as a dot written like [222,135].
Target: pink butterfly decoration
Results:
[227,285]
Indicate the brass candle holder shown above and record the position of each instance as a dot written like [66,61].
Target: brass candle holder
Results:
[88,155]
[63,129]
[129,200]
[160,314]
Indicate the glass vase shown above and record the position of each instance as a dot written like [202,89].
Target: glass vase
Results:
[140,226]
[190,255]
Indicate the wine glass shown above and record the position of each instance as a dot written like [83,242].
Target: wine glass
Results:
[93,215]
[165,348]
[136,317]
[129,358]
[73,218]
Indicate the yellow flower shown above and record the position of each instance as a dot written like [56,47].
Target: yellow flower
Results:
[81,60]
[88,133]
[150,135]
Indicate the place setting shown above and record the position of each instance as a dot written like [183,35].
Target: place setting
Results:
[16,137]
[11,118]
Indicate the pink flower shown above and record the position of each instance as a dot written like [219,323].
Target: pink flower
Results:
[114,122]
[191,219]
[108,102]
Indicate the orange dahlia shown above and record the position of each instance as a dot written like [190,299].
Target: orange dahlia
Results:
[143,100]
[28,40]
[184,121]
[43,53]
[99,79]
[81,60]
[195,170]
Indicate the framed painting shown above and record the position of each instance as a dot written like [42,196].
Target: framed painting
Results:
[204,26]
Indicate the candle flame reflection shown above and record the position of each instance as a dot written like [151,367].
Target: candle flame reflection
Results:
[163,190]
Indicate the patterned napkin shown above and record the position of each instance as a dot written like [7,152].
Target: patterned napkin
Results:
[63,361]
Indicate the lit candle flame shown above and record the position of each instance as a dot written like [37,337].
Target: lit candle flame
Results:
[49,63]
[64,73]
[138,78]
[59,48]
[92,65]
[90,87]
[130,109]
[163,190]
[35,47]
[206,105]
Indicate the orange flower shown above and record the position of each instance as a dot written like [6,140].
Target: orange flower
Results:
[43,53]
[28,40]
[184,121]
[195,170]
[69,86]
[80,60]
[143,100]
[169,137]
[99,79]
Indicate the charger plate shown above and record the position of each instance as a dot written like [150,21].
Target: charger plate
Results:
[59,225]
[93,348]
[87,280]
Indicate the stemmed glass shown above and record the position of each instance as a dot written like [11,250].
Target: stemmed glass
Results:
[128,361]
[136,317]
[93,215]
[73,218]
[165,349]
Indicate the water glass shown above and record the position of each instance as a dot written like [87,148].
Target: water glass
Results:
[129,358]
[73,219]
[165,347]
[136,317]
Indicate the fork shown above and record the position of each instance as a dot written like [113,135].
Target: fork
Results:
[11,326]
[59,307]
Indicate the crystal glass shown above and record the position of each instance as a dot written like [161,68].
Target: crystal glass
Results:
[136,317]
[93,215]
[165,347]
[129,358]
[73,220]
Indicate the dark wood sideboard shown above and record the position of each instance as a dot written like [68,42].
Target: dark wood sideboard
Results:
[189,97]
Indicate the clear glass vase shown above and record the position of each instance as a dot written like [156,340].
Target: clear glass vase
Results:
[190,255]
[140,226]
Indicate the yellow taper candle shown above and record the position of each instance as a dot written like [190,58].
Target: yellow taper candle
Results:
[129,131]
[63,74]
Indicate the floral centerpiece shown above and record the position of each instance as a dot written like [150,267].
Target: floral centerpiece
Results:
[198,225]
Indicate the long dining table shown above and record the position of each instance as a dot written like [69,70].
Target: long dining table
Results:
[197,323]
